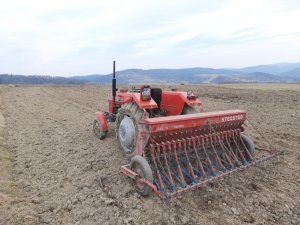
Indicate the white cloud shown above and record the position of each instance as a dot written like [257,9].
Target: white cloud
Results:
[81,37]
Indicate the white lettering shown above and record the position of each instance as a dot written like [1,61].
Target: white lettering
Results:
[232,118]
[178,126]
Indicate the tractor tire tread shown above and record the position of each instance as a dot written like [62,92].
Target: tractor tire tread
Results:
[189,110]
[133,110]
[102,134]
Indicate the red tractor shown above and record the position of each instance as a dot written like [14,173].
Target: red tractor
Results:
[172,146]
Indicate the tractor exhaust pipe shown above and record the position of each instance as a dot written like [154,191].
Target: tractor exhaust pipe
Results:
[114,84]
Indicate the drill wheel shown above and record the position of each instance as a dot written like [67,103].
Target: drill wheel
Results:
[249,145]
[140,166]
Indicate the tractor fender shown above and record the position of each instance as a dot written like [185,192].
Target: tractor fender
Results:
[102,119]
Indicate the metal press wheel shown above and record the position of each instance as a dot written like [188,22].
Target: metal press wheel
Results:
[140,166]
[249,145]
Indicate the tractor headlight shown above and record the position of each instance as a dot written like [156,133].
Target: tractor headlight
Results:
[145,93]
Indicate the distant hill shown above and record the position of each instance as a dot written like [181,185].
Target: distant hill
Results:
[187,75]
[275,73]
[292,75]
[275,69]
[35,79]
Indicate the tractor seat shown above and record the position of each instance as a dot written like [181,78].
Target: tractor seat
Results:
[156,95]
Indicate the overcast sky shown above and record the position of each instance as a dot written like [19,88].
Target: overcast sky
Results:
[83,37]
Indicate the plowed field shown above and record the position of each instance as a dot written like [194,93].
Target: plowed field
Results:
[55,171]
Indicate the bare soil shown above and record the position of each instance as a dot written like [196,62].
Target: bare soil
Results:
[55,171]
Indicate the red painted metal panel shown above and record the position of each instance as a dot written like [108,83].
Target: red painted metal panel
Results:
[173,102]
[125,97]
[172,123]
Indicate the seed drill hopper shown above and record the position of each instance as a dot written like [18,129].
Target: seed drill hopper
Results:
[172,147]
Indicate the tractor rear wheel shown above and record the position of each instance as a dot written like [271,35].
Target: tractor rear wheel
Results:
[140,166]
[99,133]
[127,127]
[249,145]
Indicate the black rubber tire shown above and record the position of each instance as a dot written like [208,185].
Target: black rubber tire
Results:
[139,165]
[188,110]
[249,145]
[99,133]
[132,111]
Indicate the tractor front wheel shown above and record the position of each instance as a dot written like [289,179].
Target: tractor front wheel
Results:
[99,133]
[141,167]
